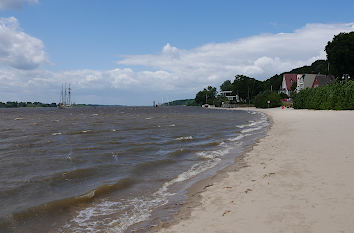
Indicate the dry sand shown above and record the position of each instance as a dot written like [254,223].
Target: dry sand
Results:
[299,178]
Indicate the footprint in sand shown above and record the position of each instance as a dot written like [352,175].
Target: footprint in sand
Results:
[248,190]
[268,174]
[226,212]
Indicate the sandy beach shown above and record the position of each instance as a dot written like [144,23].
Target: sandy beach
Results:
[299,178]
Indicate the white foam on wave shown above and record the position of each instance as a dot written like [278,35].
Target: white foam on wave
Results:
[184,138]
[54,134]
[242,126]
[251,129]
[104,215]
[253,123]
[237,138]
[214,154]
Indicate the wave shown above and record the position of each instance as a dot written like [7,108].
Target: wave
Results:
[76,132]
[237,138]
[151,165]
[118,216]
[252,129]
[66,203]
[55,178]
[184,138]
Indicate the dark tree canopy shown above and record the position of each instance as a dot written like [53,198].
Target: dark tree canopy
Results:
[273,83]
[208,95]
[246,88]
[226,86]
[317,67]
[340,54]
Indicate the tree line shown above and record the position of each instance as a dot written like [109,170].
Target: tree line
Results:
[15,104]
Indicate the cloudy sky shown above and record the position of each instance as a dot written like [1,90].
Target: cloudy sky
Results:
[134,52]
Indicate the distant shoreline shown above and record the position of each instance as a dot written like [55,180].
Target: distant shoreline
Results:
[15,104]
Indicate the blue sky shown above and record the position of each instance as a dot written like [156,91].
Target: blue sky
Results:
[134,52]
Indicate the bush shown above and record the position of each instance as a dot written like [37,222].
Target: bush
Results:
[338,96]
[262,99]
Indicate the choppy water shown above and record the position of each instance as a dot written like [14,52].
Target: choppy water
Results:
[107,168]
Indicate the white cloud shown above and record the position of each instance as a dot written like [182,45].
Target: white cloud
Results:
[258,56]
[18,49]
[174,72]
[14,4]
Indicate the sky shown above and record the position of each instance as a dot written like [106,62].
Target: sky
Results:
[134,52]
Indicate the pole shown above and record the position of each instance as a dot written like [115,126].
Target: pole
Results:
[65,93]
[69,95]
[248,90]
[62,94]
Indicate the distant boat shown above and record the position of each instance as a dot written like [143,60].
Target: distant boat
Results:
[65,97]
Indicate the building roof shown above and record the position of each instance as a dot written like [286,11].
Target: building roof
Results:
[309,79]
[225,91]
[289,79]
[324,79]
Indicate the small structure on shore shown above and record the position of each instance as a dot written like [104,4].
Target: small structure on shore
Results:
[229,96]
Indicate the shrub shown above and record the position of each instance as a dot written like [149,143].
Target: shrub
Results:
[262,99]
[338,96]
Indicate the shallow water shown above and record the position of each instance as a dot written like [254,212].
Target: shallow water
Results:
[107,168]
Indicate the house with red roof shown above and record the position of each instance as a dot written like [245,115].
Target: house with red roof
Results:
[288,80]
[304,81]
[313,80]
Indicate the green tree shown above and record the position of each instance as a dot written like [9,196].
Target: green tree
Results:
[208,95]
[246,88]
[261,100]
[226,86]
[273,83]
[340,54]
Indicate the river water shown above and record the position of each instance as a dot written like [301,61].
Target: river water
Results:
[104,169]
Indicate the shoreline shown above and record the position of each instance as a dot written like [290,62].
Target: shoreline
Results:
[182,207]
[194,192]
[257,186]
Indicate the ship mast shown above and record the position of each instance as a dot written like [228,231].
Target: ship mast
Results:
[62,94]
[66,97]
[69,90]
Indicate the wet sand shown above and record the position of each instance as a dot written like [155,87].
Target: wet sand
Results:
[299,178]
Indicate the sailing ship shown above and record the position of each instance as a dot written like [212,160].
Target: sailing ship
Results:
[65,97]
